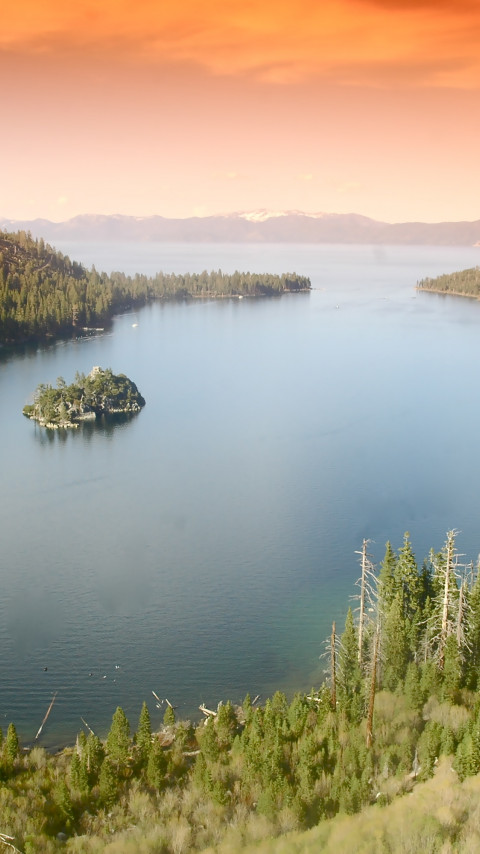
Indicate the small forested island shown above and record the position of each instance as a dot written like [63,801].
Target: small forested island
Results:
[99,393]
[465,283]
[43,294]
[398,714]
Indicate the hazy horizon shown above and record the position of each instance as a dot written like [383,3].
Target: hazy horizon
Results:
[231,214]
[199,109]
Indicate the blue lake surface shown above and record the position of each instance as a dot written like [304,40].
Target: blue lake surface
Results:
[202,549]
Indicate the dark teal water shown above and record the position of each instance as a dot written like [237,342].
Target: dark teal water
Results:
[202,549]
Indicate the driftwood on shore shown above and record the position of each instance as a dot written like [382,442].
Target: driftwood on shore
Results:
[209,713]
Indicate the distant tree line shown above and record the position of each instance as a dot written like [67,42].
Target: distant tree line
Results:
[463,283]
[43,293]
[402,690]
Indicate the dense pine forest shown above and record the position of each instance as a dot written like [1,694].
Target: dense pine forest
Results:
[44,294]
[462,283]
[400,698]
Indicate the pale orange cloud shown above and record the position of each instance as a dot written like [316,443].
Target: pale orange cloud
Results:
[425,42]
[366,105]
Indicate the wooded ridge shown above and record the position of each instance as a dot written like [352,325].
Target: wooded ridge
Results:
[462,283]
[44,294]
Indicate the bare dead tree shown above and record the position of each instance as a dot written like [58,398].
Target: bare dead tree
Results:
[451,606]
[368,594]
[333,667]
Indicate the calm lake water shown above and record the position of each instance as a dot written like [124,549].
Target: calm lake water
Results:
[202,549]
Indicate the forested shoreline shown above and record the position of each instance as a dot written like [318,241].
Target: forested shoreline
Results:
[401,692]
[461,283]
[43,294]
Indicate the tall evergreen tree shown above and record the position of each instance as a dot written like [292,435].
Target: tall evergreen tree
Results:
[107,784]
[144,733]
[349,673]
[157,765]
[169,716]
[118,738]
[473,670]
[386,579]
[452,669]
[407,579]
[395,644]
[11,743]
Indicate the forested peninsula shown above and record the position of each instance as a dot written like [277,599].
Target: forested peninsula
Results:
[99,393]
[463,283]
[45,294]
[398,713]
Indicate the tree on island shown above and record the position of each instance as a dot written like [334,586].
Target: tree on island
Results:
[99,393]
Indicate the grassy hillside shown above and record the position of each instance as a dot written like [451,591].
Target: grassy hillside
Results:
[441,815]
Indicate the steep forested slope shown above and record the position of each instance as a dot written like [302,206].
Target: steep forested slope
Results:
[402,692]
[43,293]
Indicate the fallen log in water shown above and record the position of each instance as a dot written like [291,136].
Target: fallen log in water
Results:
[85,724]
[46,716]
[159,702]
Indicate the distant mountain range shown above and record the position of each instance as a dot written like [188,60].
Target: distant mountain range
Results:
[258,226]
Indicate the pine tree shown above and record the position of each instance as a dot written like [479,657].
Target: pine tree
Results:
[406,576]
[226,725]
[118,738]
[75,765]
[11,744]
[349,674]
[93,757]
[63,802]
[207,738]
[395,644]
[473,666]
[107,784]
[386,579]
[144,734]
[413,690]
[452,671]
[157,765]
[169,716]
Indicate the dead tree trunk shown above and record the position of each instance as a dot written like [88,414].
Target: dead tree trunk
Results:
[333,668]
[460,615]
[373,686]
[361,622]
[450,544]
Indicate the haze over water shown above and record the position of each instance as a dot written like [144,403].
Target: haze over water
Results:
[202,549]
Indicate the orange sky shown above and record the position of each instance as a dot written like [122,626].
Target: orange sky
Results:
[206,107]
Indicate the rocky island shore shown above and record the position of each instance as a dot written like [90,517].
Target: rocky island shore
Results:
[101,392]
